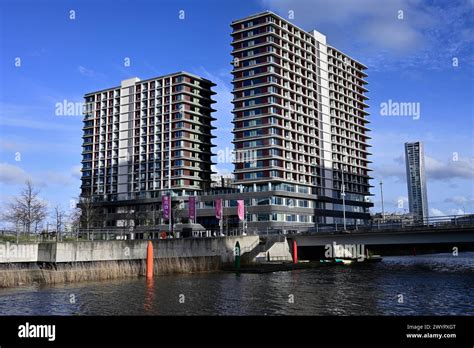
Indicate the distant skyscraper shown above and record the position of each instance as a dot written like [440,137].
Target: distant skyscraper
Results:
[416,179]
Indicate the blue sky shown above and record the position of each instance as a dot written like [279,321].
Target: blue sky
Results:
[409,54]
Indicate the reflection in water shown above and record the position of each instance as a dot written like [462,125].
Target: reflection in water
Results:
[149,295]
[430,285]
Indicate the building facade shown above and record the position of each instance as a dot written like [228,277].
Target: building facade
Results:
[300,124]
[416,180]
[143,139]
[300,139]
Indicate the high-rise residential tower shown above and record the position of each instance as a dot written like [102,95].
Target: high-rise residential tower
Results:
[416,180]
[300,139]
[300,123]
[146,138]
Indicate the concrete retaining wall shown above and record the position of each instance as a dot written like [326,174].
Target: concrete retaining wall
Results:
[13,253]
[126,250]
[280,251]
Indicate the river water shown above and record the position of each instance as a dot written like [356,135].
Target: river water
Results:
[440,284]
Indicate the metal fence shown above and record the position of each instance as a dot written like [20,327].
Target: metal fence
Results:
[118,233]
[438,222]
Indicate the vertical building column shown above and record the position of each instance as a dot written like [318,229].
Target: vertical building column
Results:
[324,118]
[127,91]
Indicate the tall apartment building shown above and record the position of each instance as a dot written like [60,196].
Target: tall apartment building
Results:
[416,180]
[300,124]
[148,137]
[300,137]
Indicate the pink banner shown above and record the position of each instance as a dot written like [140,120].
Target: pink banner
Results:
[192,207]
[240,209]
[218,205]
[166,206]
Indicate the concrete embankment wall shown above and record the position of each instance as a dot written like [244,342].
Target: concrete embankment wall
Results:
[116,250]
[280,251]
[50,263]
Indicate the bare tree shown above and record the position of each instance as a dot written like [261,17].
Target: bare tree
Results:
[27,210]
[129,218]
[74,219]
[60,217]
[89,212]
[13,215]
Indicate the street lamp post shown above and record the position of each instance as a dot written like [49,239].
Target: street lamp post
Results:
[381,195]
[343,194]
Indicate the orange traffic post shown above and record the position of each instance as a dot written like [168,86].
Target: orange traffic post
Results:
[149,260]
[295,251]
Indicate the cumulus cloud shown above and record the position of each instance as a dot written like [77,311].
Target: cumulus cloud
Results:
[33,117]
[435,169]
[463,168]
[76,171]
[434,212]
[408,29]
[12,175]
[379,26]
[15,175]
[457,211]
[459,200]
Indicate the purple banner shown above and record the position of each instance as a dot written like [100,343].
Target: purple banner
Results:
[240,209]
[218,204]
[166,206]
[192,208]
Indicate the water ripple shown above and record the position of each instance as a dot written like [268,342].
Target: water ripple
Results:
[430,285]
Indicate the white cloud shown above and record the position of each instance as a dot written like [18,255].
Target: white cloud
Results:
[376,25]
[76,171]
[435,169]
[380,37]
[459,200]
[12,175]
[434,212]
[85,71]
[457,211]
[34,117]
[463,168]
[55,178]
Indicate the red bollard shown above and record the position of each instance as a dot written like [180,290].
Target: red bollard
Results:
[295,251]
[149,261]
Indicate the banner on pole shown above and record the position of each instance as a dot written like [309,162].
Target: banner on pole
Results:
[166,206]
[240,209]
[192,208]
[218,206]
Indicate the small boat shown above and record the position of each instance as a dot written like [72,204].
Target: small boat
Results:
[347,261]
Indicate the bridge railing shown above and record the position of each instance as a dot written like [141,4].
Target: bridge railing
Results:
[112,233]
[406,224]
